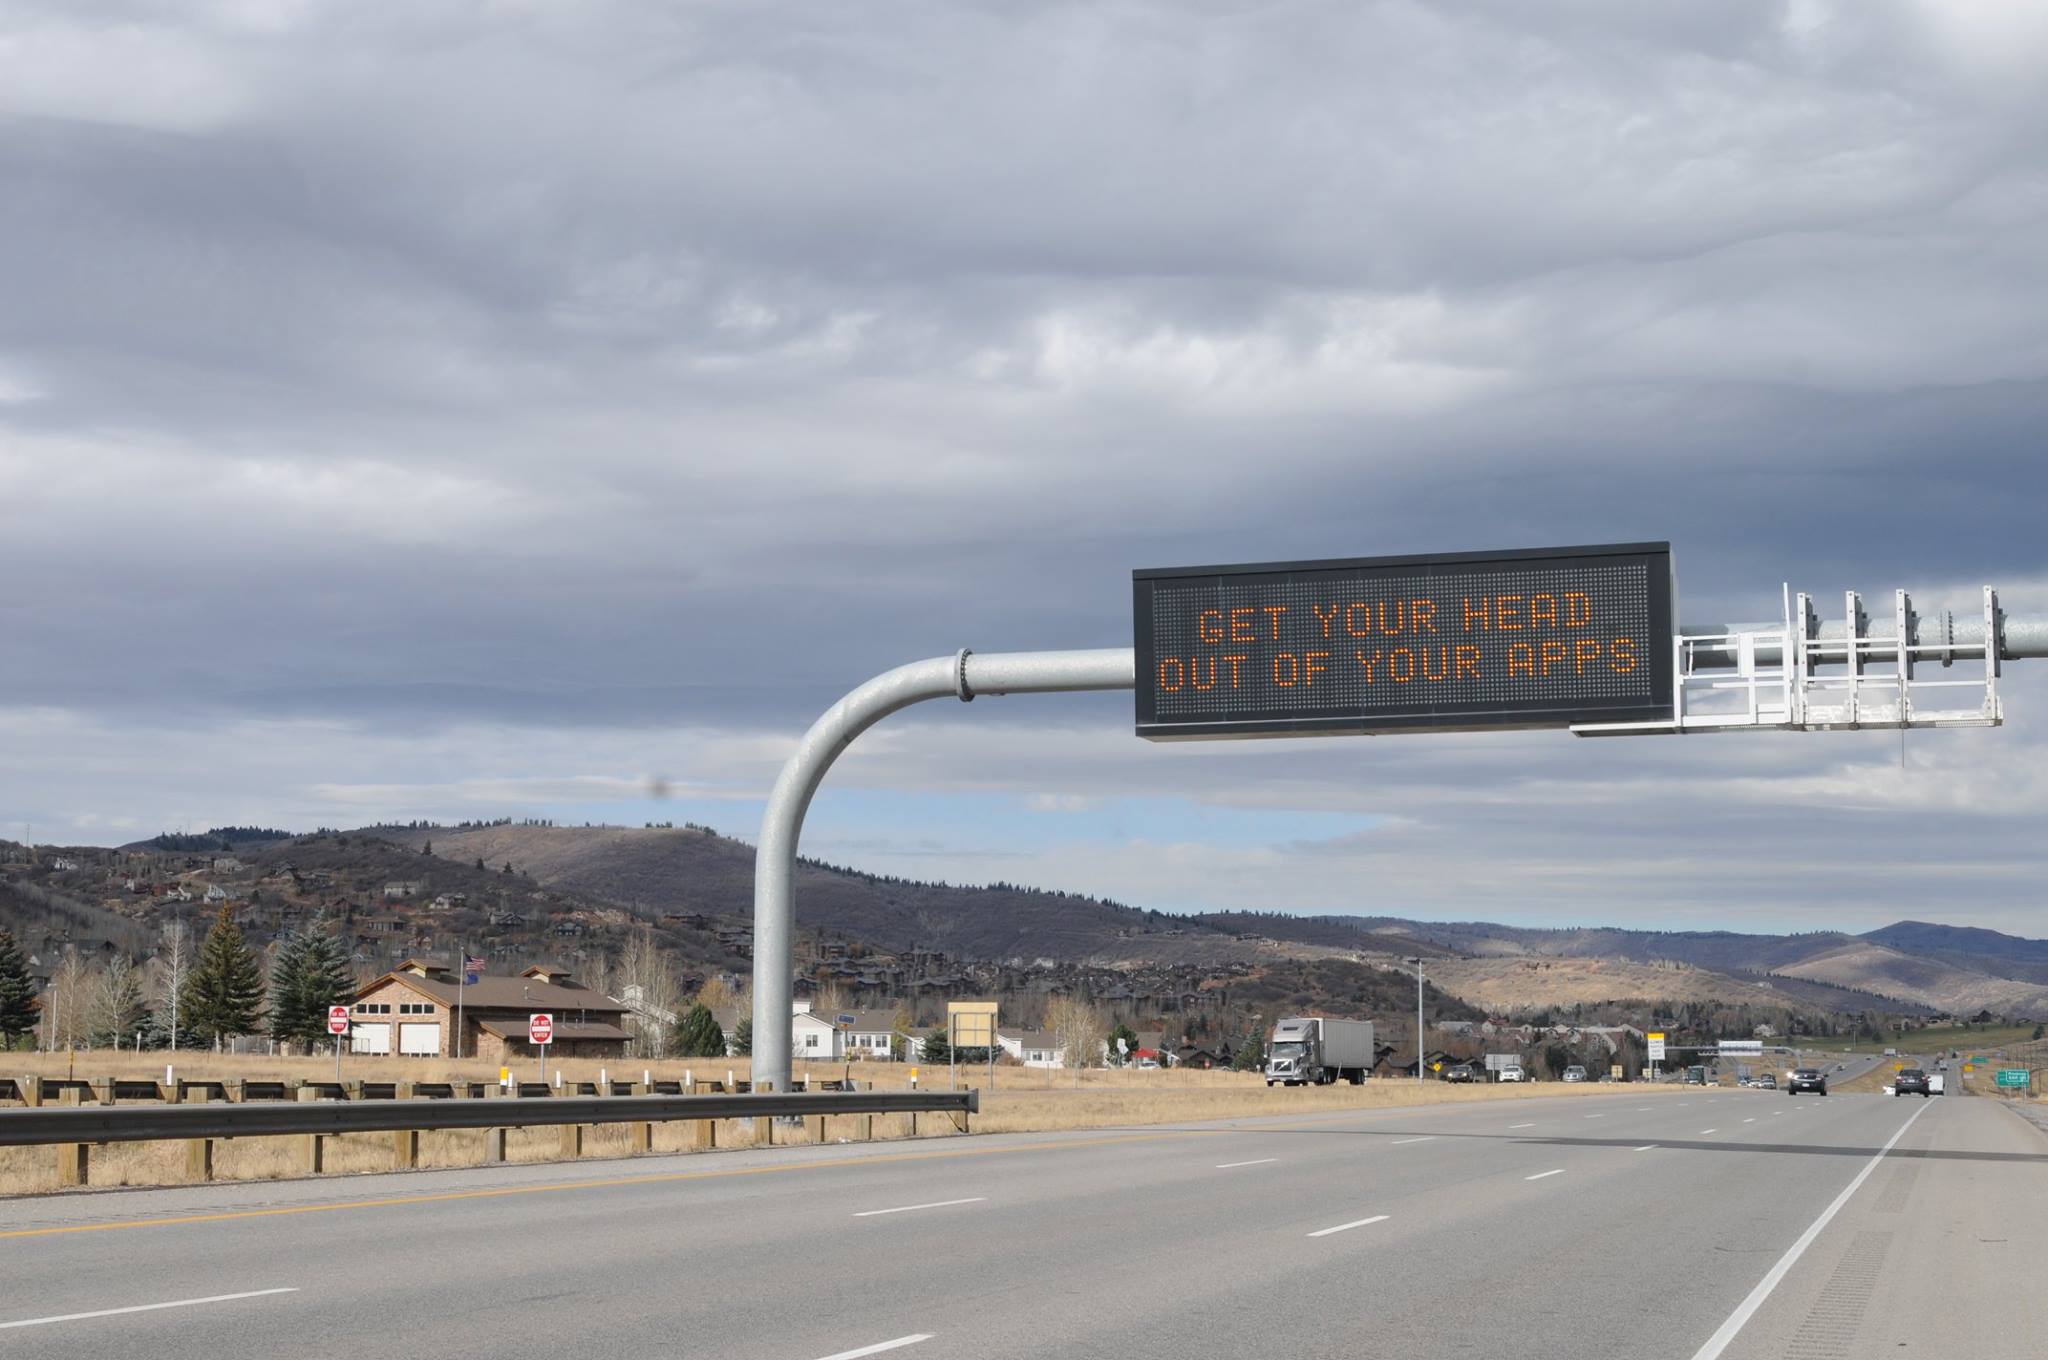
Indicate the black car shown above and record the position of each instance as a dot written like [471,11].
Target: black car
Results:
[1461,1072]
[1911,1082]
[1811,1080]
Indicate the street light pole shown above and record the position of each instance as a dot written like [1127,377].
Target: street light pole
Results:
[1418,1016]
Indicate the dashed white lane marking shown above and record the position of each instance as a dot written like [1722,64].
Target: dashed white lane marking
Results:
[1705,1132]
[1426,1138]
[1256,1161]
[1521,1126]
[1646,1147]
[880,1346]
[1596,1116]
[146,1307]
[1718,1342]
[906,1208]
[1346,1227]
[1541,1174]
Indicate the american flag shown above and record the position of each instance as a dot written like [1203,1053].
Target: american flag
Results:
[472,969]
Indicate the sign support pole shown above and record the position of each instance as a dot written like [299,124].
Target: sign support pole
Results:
[964,676]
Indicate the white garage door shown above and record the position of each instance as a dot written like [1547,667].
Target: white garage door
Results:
[422,1039]
[370,1039]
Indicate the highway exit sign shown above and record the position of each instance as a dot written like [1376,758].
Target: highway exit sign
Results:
[2013,1076]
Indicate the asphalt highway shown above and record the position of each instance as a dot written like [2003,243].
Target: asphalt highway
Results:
[1689,1224]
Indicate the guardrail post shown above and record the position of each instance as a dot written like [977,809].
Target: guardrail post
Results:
[405,1149]
[703,1135]
[74,1163]
[312,1146]
[198,1159]
[104,1088]
[815,1126]
[642,1137]
[31,1089]
[867,1128]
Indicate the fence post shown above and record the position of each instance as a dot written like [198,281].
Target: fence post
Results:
[405,1149]
[198,1159]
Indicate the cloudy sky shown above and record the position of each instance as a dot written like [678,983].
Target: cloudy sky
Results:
[488,409]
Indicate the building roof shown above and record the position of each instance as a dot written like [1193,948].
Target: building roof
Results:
[490,993]
[507,1027]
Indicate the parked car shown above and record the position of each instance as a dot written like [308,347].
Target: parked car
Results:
[1912,1081]
[1460,1072]
[1810,1080]
[1575,1073]
[1511,1074]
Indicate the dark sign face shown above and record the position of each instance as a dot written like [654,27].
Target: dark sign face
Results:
[1544,638]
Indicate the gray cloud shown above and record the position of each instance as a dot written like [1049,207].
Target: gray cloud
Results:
[636,380]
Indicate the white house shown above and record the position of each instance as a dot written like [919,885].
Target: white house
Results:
[812,1038]
[870,1034]
[1032,1047]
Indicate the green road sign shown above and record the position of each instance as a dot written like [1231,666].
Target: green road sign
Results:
[2012,1076]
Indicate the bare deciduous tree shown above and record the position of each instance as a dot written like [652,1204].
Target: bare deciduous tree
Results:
[65,1002]
[174,960]
[1078,1027]
[646,966]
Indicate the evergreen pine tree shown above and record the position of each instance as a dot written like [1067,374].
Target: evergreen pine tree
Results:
[309,976]
[743,1037]
[224,995]
[936,1047]
[18,1011]
[698,1034]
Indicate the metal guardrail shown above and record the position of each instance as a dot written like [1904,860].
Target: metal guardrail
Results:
[153,1123]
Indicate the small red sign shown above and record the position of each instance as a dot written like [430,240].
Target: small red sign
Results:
[337,1019]
[541,1028]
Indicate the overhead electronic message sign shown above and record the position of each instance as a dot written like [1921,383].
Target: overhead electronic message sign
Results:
[1471,641]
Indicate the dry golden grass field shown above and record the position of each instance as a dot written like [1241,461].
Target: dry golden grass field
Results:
[1021,1100]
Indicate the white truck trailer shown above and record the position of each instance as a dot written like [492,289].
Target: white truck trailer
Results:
[1317,1050]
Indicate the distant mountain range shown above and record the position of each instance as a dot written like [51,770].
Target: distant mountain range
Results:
[1911,965]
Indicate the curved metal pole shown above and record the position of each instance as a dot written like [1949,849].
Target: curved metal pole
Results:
[963,676]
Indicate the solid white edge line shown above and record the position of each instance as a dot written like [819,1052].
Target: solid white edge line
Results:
[1258,1161]
[1325,1232]
[1425,1138]
[880,1346]
[147,1307]
[1744,1311]
[1541,1174]
[906,1208]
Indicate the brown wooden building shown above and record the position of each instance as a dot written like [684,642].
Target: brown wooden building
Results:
[412,1012]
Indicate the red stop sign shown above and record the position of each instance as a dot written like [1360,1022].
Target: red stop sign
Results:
[337,1019]
[541,1028]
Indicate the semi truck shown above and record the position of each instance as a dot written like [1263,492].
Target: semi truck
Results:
[1316,1050]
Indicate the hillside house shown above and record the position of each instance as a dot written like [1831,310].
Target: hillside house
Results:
[412,1011]
[1032,1047]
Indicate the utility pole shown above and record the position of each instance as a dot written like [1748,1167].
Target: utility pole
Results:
[1418,1016]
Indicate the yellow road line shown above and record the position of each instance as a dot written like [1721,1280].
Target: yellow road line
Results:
[659,1178]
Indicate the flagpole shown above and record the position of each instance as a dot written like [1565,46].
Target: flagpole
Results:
[461,981]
